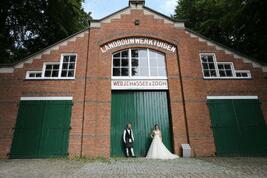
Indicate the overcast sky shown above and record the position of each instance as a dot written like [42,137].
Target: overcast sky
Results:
[102,8]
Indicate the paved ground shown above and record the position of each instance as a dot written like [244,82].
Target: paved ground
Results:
[138,167]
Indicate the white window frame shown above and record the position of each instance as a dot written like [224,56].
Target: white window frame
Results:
[33,78]
[232,68]
[130,77]
[215,63]
[61,65]
[44,67]
[60,69]
[244,71]
[217,69]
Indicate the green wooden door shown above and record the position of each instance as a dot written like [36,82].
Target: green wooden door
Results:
[238,127]
[42,129]
[143,110]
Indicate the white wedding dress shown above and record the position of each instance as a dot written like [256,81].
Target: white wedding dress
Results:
[158,150]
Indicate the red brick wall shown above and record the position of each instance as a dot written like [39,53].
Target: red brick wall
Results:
[13,86]
[185,80]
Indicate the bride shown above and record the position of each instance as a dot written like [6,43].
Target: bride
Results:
[157,149]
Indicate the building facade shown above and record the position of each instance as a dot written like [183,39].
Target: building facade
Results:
[135,65]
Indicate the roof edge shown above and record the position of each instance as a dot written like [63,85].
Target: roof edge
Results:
[43,50]
[145,7]
[227,48]
[164,16]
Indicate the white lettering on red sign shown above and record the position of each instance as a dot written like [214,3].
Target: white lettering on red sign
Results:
[138,41]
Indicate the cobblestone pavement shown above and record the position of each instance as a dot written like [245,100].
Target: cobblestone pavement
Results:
[138,167]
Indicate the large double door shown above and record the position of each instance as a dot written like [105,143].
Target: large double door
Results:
[238,127]
[143,109]
[42,129]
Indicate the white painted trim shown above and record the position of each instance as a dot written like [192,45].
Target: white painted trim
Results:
[50,63]
[228,78]
[59,72]
[216,63]
[226,51]
[6,70]
[117,15]
[61,64]
[39,55]
[179,25]
[139,84]
[29,72]
[130,77]
[232,97]
[46,98]
[128,11]
[95,25]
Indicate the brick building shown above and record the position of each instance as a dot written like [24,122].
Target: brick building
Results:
[135,65]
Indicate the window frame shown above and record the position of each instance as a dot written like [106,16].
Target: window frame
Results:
[244,71]
[234,71]
[61,65]
[130,77]
[34,78]
[44,67]
[60,62]
[215,63]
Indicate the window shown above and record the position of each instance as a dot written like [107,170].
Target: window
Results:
[225,69]
[121,64]
[243,74]
[51,70]
[65,69]
[208,65]
[34,74]
[213,69]
[68,66]
[139,63]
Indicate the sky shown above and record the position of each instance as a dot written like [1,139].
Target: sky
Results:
[102,8]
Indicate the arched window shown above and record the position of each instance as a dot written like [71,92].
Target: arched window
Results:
[139,63]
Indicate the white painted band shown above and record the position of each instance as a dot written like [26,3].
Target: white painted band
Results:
[232,97]
[45,98]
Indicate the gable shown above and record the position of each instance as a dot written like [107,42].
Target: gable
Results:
[28,60]
[117,15]
[220,47]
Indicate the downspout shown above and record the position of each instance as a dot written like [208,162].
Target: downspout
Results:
[85,87]
[183,97]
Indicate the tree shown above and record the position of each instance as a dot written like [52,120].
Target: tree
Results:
[30,25]
[239,24]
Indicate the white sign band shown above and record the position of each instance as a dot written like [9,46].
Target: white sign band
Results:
[138,41]
[121,84]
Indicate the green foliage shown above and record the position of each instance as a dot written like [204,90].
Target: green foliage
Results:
[239,24]
[30,25]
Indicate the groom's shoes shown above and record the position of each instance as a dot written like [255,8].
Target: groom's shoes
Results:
[133,156]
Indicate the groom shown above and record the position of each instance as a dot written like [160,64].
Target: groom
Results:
[128,140]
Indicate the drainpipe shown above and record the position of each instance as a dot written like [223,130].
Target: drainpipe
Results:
[85,87]
[183,97]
